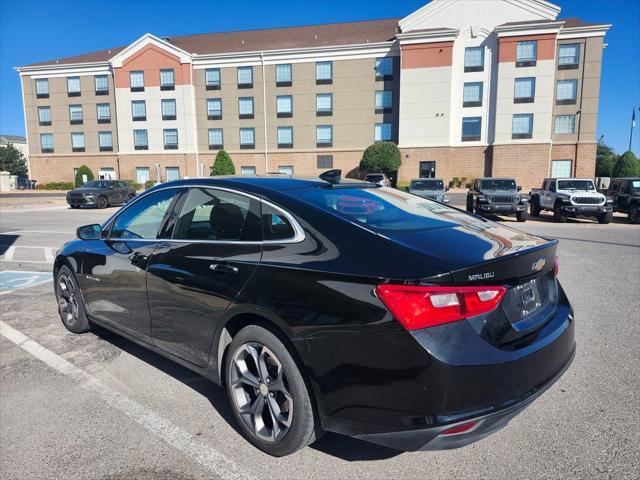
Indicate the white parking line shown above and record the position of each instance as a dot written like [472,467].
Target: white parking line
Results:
[208,457]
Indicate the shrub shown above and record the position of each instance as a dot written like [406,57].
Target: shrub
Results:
[402,185]
[627,166]
[148,184]
[223,164]
[606,159]
[381,157]
[455,182]
[56,186]
[83,170]
[135,185]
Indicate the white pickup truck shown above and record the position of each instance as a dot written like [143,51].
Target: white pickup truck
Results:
[570,197]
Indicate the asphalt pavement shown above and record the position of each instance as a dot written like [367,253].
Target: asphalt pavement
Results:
[96,406]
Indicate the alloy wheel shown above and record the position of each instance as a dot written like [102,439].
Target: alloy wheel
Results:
[260,391]
[67,299]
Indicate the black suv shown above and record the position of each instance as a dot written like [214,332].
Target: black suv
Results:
[101,194]
[497,196]
[625,193]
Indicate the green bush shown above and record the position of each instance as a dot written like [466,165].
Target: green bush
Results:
[455,182]
[627,166]
[83,170]
[222,165]
[606,159]
[381,157]
[148,184]
[135,185]
[402,185]
[56,186]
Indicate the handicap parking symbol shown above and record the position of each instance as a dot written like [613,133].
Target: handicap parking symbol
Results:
[11,280]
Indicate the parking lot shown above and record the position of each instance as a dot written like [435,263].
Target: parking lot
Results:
[97,406]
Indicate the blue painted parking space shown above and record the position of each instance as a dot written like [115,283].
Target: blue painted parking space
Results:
[12,280]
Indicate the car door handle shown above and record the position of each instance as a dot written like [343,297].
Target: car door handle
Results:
[137,258]
[223,268]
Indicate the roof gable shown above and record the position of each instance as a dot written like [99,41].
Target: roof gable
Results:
[145,41]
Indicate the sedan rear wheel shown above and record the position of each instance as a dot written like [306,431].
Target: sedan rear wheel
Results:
[102,202]
[70,304]
[268,395]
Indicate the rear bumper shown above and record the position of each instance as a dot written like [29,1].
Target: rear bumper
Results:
[505,208]
[486,424]
[586,210]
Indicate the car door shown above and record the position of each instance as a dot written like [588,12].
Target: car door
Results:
[214,249]
[622,201]
[113,277]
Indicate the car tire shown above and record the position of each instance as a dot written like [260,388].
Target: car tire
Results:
[74,206]
[633,214]
[521,216]
[70,303]
[102,202]
[605,218]
[256,400]
[534,207]
[558,216]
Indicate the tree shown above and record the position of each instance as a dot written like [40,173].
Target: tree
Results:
[606,158]
[627,166]
[12,161]
[83,170]
[223,165]
[381,157]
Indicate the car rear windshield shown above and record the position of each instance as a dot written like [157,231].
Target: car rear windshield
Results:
[575,185]
[381,209]
[497,185]
[635,185]
[427,185]
[373,178]
[96,184]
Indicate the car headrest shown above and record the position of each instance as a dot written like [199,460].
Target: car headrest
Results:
[226,221]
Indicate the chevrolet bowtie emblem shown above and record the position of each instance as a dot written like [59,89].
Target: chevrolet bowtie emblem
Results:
[538,265]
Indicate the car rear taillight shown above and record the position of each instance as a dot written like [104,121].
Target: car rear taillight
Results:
[418,307]
[556,268]
[458,429]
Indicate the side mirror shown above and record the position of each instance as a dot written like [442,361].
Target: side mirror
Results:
[89,232]
[519,188]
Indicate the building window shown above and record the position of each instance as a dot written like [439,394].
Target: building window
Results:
[284,106]
[248,170]
[474,59]
[170,136]
[561,168]
[44,116]
[46,142]
[285,169]
[568,56]
[167,79]
[245,77]
[324,104]
[324,73]
[138,110]
[73,86]
[522,126]
[140,140]
[526,53]
[103,112]
[136,80]
[75,114]
[384,101]
[284,77]
[102,84]
[324,136]
[565,124]
[382,132]
[566,91]
[216,140]
[77,142]
[324,161]
[471,129]
[245,107]
[168,107]
[285,137]
[472,94]
[524,90]
[172,173]
[247,138]
[384,68]
[212,78]
[142,175]
[42,88]
[105,141]
[214,108]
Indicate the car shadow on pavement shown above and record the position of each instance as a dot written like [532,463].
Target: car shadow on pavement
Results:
[340,446]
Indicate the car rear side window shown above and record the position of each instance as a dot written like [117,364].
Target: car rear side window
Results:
[275,225]
[382,209]
[143,219]
[218,215]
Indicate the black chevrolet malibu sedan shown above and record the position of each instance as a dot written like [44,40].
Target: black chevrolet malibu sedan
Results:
[328,306]
[101,194]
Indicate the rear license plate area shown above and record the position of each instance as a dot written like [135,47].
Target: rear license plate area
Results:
[530,299]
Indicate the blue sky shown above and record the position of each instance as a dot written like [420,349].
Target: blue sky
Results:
[36,30]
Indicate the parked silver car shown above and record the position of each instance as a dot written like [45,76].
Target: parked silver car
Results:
[378,178]
[431,188]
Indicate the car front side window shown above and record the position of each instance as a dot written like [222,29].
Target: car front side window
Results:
[143,219]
